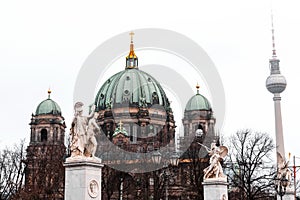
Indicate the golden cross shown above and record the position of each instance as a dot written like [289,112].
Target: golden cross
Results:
[131,35]
[120,125]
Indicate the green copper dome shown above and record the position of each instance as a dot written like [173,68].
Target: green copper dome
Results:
[48,106]
[131,86]
[198,102]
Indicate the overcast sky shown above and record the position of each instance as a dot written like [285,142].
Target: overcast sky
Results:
[45,43]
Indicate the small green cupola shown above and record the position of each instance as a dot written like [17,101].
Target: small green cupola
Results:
[120,130]
[198,102]
[48,106]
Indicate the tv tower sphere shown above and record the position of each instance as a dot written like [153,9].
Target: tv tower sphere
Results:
[276,83]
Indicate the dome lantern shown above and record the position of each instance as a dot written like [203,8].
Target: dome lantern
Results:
[131,59]
[49,92]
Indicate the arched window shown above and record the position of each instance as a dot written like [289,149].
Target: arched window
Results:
[155,99]
[44,135]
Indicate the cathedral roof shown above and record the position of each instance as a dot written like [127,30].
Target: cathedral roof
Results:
[131,86]
[48,106]
[198,102]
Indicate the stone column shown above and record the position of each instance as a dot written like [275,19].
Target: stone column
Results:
[83,178]
[215,189]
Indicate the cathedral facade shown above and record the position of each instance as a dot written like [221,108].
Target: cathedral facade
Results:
[135,115]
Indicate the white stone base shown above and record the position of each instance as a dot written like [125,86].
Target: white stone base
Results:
[215,189]
[83,178]
[289,195]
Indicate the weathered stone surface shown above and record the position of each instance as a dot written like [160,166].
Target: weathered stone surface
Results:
[215,189]
[83,179]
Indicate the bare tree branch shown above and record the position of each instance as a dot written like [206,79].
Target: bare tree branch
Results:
[248,173]
[12,170]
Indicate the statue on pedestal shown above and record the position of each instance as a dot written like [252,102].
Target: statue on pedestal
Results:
[83,141]
[283,172]
[214,170]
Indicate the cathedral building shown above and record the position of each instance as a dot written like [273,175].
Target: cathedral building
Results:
[138,100]
[135,116]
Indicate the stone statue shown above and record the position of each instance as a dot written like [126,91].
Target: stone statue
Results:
[91,144]
[214,170]
[109,104]
[143,102]
[79,130]
[283,170]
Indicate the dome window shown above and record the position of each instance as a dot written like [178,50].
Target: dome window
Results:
[125,99]
[149,79]
[126,92]
[44,135]
[108,81]
[155,98]
[127,78]
[101,96]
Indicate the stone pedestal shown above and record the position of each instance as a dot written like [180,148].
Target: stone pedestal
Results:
[83,178]
[215,189]
[289,195]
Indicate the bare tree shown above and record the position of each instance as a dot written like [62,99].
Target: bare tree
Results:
[44,173]
[110,182]
[249,175]
[193,171]
[11,170]
[195,160]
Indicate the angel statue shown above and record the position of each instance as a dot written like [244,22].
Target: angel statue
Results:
[214,170]
[283,172]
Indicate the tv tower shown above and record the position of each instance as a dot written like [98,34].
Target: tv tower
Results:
[276,84]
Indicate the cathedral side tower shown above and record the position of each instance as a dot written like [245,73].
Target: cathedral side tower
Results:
[44,177]
[198,114]
[198,122]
